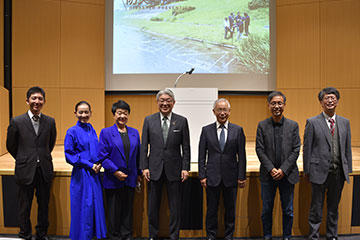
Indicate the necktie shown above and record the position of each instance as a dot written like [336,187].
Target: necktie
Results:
[165,128]
[332,126]
[36,118]
[222,137]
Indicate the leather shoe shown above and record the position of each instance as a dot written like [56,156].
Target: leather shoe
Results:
[287,238]
[267,238]
[332,238]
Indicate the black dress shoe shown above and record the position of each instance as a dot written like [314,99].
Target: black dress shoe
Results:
[43,238]
[267,238]
[287,238]
[332,238]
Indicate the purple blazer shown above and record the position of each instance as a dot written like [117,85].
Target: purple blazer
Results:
[112,156]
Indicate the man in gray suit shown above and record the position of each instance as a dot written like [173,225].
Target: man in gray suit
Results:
[222,167]
[277,147]
[30,140]
[165,157]
[327,161]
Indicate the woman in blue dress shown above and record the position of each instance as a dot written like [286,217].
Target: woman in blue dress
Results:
[81,151]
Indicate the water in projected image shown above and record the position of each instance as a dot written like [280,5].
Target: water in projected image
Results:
[168,36]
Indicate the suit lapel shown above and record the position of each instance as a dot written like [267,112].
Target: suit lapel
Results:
[157,121]
[271,133]
[324,127]
[341,130]
[132,138]
[116,139]
[214,135]
[42,123]
[230,134]
[29,124]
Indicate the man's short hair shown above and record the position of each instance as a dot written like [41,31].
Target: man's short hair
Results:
[165,91]
[328,90]
[274,94]
[221,100]
[121,104]
[34,90]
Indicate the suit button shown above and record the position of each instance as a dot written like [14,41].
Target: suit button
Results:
[38,160]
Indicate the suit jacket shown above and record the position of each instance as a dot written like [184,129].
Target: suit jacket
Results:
[265,149]
[26,147]
[112,155]
[172,156]
[317,148]
[228,165]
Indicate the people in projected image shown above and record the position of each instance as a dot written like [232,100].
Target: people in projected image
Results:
[81,147]
[232,24]
[246,19]
[239,25]
[226,28]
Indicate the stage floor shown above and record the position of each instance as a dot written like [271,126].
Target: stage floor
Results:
[62,168]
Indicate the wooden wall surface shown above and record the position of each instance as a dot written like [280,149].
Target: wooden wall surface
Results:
[318,46]
[59,45]
[4,118]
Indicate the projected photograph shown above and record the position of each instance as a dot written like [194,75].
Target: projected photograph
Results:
[170,36]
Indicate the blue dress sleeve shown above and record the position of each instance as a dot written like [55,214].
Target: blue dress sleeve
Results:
[73,154]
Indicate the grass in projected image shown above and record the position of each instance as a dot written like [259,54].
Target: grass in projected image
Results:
[215,36]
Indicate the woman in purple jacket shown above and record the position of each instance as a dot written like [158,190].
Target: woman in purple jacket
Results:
[119,153]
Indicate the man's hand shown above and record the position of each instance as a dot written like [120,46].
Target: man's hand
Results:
[278,175]
[273,172]
[120,175]
[96,167]
[241,183]
[184,175]
[146,174]
[203,182]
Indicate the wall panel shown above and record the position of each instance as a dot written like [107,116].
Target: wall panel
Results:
[2,42]
[340,38]
[36,43]
[82,45]
[297,33]
[4,118]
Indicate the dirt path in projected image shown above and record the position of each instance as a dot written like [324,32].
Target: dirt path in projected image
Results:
[145,52]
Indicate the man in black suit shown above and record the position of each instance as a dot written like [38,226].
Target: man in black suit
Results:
[222,167]
[277,147]
[327,161]
[165,157]
[30,139]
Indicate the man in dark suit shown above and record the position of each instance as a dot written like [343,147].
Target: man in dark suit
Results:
[222,167]
[327,161]
[30,139]
[277,147]
[165,157]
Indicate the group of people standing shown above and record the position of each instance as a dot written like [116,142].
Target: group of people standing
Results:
[163,156]
[238,23]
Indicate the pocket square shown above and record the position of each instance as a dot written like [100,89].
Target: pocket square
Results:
[176,130]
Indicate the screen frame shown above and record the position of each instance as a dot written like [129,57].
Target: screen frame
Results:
[154,82]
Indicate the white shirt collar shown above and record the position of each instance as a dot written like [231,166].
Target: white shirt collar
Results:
[168,116]
[31,114]
[226,124]
[327,117]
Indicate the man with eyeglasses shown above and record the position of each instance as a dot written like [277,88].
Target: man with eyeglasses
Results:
[165,157]
[327,161]
[222,167]
[277,147]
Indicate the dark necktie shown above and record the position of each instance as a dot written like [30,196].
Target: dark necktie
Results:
[165,128]
[36,118]
[332,126]
[222,137]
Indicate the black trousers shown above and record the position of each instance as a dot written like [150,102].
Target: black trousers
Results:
[174,200]
[212,200]
[120,212]
[333,187]
[25,197]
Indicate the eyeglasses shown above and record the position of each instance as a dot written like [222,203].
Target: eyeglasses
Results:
[328,98]
[273,104]
[219,110]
